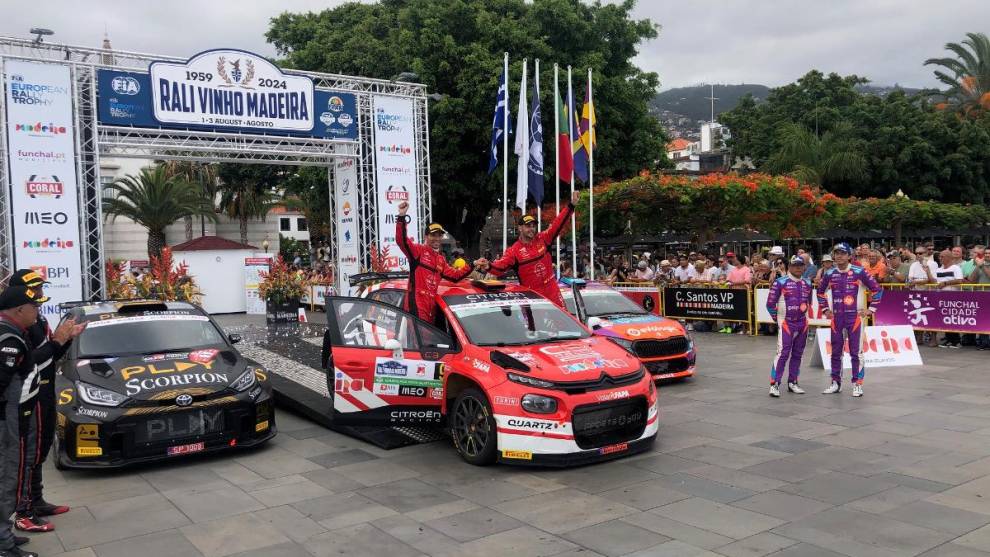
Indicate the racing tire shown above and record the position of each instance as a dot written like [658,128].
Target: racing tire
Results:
[473,428]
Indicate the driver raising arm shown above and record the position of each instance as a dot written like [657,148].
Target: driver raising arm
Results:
[530,255]
[426,266]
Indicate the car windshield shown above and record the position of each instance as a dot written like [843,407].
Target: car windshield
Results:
[512,318]
[143,334]
[609,302]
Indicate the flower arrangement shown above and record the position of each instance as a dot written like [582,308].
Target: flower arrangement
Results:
[379,259]
[166,281]
[281,284]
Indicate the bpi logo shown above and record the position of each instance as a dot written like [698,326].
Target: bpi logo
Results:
[916,306]
[45,217]
[123,85]
[47,186]
[396,193]
[51,273]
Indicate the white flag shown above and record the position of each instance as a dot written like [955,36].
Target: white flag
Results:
[522,146]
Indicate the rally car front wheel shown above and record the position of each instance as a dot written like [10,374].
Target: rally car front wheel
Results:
[473,428]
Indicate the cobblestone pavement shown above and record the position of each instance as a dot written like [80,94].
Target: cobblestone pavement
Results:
[903,471]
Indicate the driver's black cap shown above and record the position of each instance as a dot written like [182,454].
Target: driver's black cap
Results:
[27,277]
[17,296]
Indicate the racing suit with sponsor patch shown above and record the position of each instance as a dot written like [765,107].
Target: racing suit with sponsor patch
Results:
[792,296]
[46,352]
[15,365]
[426,268]
[847,325]
[532,260]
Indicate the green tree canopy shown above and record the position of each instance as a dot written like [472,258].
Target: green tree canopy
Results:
[456,49]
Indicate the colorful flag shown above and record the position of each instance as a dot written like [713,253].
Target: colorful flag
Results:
[588,140]
[536,147]
[522,146]
[577,147]
[565,165]
[501,117]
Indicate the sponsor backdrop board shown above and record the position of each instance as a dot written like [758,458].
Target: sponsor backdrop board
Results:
[345,195]
[225,90]
[253,267]
[646,298]
[723,304]
[882,347]
[936,310]
[44,206]
[395,172]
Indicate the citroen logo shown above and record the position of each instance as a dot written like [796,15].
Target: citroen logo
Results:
[183,400]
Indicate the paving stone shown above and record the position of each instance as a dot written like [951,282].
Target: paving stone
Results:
[217,503]
[836,488]
[784,506]
[615,538]
[722,519]
[520,542]
[491,491]
[474,524]
[701,487]
[664,463]
[890,499]
[730,458]
[415,534]
[806,550]
[736,478]
[376,472]
[939,517]
[972,496]
[333,481]
[341,510]
[673,548]
[291,523]
[407,495]
[274,462]
[595,479]
[126,526]
[361,539]
[563,510]
[645,495]
[159,544]
[234,534]
[954,550]
[341,458]
[761,544]
[791,445]
[281,550]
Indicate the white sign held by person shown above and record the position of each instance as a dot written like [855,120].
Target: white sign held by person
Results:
[345,196]
[231,88]
[395,173]
[44,199]
[883,347]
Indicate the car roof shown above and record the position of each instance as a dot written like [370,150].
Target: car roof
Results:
[131,307]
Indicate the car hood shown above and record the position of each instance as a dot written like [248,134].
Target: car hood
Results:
[640,327]
[155,376]
[574,360]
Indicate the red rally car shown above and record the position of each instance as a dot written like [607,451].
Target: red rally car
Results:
[515,378]
[663,345]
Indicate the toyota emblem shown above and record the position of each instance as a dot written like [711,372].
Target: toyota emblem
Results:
[183,400]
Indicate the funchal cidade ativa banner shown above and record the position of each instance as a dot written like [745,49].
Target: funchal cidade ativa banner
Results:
[44,202]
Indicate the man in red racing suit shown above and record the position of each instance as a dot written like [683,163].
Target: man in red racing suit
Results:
[530,255]
[427,266]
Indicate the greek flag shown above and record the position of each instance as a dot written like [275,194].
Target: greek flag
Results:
[502,115]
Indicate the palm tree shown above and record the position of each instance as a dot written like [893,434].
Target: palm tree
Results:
[967,76]
[835,157]
[154,200]
[247,192]
[203,176]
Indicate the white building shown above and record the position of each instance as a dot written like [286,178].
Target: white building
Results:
[125,239]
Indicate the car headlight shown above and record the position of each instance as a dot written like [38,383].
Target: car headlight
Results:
[625,343]
[91,394]
[532,381]
[246,380]
[539,404]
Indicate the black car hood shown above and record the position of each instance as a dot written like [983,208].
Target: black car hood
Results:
[149,377]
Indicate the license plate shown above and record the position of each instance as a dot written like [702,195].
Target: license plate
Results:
[186,449]
[180,425]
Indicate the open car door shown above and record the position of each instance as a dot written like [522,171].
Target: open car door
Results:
[384,366]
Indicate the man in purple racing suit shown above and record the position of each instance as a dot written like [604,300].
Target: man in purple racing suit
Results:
[844,279]
[790,295]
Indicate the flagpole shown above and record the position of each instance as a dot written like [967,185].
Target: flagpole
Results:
[505,156]
[539,207]
[591,174]
[556,157]
[570,142]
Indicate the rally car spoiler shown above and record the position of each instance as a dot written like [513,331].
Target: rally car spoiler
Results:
[362,278]
[79,303]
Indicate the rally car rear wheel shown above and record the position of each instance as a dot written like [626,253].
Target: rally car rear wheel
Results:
[473,428]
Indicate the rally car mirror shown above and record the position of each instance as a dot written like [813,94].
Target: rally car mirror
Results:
[234,338]
[594,323]
[396,348]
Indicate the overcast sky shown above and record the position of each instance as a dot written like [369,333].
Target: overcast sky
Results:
[722,41]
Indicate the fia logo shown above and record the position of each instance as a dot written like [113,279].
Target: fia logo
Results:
[123,85]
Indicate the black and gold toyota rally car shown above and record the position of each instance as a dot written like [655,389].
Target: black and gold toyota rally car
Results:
[150,380]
